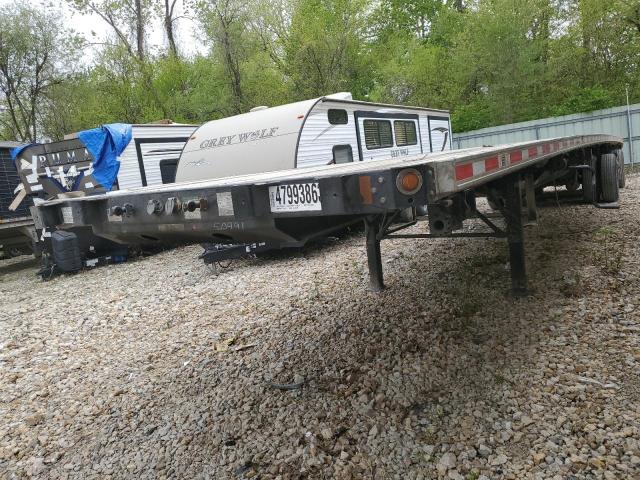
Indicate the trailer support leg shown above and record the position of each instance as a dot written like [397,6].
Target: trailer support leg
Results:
[530,194]
[374,257]
[515,237]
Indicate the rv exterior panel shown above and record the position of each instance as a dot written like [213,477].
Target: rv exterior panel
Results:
[151,146]
[254,142]
[321,131]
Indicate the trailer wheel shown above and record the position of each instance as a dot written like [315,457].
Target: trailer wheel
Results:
[609,177]
[589,181]
[622,180]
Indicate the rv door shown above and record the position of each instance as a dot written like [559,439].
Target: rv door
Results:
[387,135]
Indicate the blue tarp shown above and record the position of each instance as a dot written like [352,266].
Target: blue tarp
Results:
[17,150]
[106,143]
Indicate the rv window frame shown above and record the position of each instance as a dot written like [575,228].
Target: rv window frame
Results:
[342,111]
[395,132]
[377,121]
[138,144]
[342,145]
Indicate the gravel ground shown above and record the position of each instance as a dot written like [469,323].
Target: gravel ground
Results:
[288,367]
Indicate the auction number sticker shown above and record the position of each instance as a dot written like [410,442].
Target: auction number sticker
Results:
[67,215]
[295,197]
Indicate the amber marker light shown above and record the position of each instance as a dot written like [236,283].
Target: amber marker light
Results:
[409,181]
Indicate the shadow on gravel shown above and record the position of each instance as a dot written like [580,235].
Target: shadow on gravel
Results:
[443,342]
[17,264]
[443,357]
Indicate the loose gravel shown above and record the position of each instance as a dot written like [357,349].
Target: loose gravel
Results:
[288,367]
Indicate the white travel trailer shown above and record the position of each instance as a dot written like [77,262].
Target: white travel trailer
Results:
[332,129]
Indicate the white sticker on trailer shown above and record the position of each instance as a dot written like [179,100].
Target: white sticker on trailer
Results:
[67,215]
[478,168]
[225,204]
[295,197]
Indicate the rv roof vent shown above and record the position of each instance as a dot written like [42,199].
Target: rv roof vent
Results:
[257,109]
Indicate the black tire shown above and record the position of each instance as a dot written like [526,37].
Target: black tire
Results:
[589,181]
[622,178]
[609,182]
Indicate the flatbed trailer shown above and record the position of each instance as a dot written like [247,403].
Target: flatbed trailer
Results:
[289,208]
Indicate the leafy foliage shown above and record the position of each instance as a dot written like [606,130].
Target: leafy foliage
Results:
[35,57]
[488,61]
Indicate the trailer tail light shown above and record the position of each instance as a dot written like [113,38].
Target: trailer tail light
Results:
[409,181]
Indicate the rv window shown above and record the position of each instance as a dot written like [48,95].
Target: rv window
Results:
[377,134]
[405,133]
[168,170]
[337,117]
[342,154]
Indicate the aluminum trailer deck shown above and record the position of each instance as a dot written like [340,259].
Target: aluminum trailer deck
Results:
[288,208]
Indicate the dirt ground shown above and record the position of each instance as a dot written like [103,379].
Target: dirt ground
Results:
[289,367]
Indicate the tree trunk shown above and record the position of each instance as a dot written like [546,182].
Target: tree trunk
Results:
[233,68]
[139,29]
[168,26]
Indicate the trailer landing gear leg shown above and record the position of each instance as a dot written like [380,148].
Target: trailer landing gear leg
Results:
[515,236]
[374,258]
[530,195]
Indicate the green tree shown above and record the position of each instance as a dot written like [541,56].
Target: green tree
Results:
[127,18]
[246,70]
[324,51]
[489,61]
[71,106]
[36,54]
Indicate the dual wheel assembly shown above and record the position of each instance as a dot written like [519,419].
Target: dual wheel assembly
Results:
[604,179]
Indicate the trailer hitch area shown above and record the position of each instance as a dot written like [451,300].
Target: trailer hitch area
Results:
[126,210]
[442,221]
[448,215]
[218,252]
[192,205]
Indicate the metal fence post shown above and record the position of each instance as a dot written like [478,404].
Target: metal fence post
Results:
[630,129]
